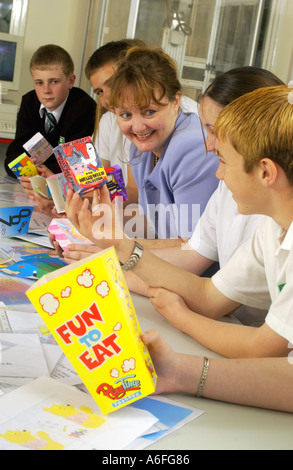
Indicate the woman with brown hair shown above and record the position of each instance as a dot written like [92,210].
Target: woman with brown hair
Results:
[174,177]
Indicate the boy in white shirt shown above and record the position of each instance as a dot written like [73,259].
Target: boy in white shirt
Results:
[255,151]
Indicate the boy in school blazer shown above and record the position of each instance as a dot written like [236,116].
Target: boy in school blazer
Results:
[73,109]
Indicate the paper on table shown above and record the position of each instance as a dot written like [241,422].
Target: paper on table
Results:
[39,222]
[64,372]
[5,179]
[13,321]
[171,415]
[56,416]
[52,353]
[21,355]
[6,254]
[34,266]
[12,290]
[24,250]
[17,196]
[23,322]
[37,232]
[37,239]
[14,220]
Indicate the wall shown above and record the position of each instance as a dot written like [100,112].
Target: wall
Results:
[64,22]
[61,22]
[283,58]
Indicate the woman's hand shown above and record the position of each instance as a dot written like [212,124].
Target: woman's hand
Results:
[99,224]
[164,359]
[76,252]
[175,372]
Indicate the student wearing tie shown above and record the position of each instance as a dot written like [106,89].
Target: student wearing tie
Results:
[55,108]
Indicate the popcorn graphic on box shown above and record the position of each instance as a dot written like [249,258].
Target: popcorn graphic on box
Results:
[89,311]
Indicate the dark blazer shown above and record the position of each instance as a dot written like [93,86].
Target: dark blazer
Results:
[76,121]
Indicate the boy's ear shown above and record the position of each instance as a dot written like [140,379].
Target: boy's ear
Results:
[71,81]
[269,171]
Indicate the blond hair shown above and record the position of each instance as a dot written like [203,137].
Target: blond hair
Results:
[260,125]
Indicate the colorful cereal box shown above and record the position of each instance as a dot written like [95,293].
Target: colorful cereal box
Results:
[89,311]
[81,165]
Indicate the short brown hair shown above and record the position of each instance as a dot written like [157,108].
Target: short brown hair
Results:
[112,51]
[49,55]
[145,71]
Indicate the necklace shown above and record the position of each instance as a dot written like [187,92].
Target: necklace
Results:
[156,159]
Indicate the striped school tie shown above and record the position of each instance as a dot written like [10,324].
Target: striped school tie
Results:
[51,122]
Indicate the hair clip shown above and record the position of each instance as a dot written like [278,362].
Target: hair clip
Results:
[290,94]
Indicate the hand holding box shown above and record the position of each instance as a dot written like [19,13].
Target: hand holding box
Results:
[89,311]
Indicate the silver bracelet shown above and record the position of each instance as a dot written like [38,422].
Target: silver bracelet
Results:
[203,378]
[134,257]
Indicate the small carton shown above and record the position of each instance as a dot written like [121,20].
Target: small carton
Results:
[65,233]
[81,165]
[23,166]
[115,182]
[58,187]
[89,311]
[38,148]
[39,185]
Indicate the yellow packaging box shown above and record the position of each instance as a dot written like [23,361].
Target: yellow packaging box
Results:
[89,311]
[23,166]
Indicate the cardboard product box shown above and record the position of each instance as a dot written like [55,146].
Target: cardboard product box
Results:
[38,148]
[58,187]
[65,233]
[89,311]
[81,165]
[23,166]
[39,185]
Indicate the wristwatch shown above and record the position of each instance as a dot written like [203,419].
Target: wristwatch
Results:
[134,257]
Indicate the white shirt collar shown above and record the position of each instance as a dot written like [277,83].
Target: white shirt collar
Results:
[288,240]
[56,113]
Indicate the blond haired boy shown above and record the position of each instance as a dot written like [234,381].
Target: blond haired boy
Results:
[255,149]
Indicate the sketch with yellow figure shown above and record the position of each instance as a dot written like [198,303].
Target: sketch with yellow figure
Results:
[46,414]
[41,441]
[83,416]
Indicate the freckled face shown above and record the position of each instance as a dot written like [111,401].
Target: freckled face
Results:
[52,86]
[149,128]
[245,187]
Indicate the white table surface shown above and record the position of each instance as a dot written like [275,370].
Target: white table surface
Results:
[223,425]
